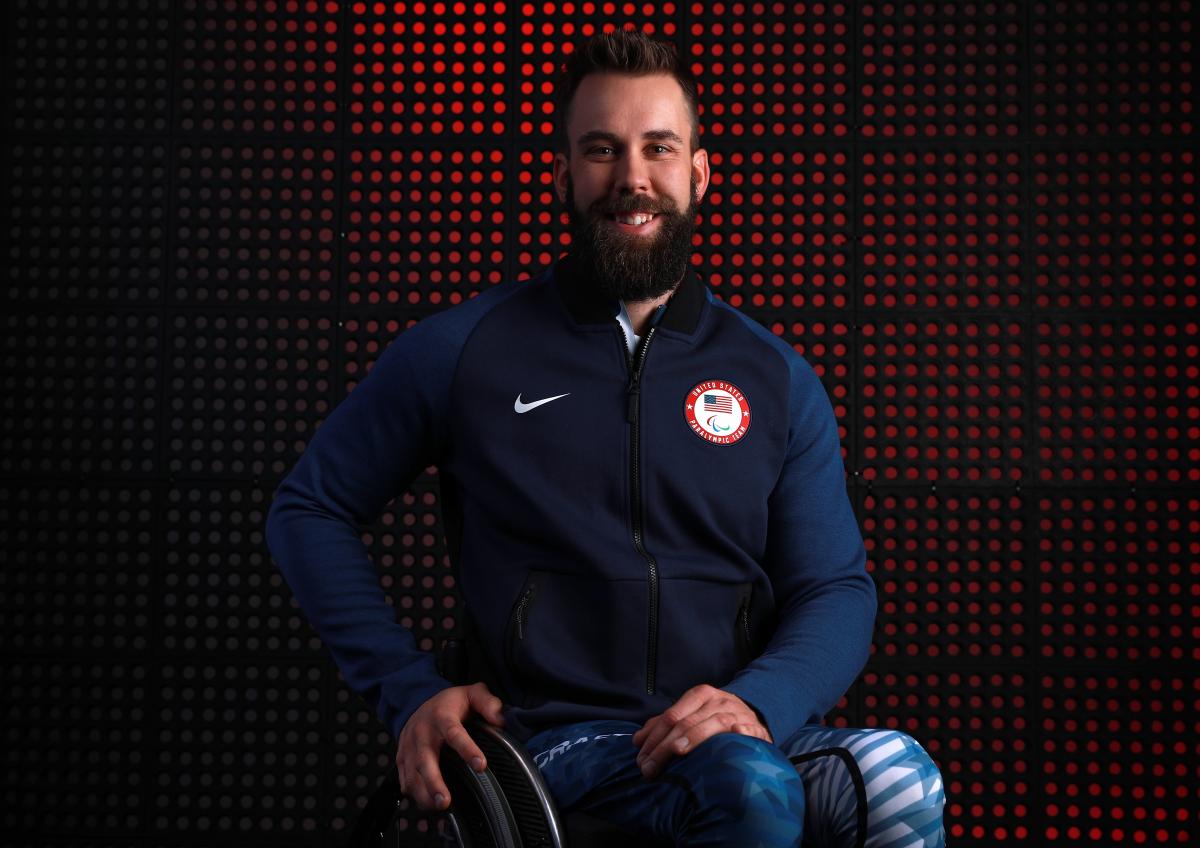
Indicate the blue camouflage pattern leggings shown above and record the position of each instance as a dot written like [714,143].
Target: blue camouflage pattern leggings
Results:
[843,787]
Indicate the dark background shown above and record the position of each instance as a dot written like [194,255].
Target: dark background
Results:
[976,220]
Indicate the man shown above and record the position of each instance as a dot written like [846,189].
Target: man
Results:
[648,512]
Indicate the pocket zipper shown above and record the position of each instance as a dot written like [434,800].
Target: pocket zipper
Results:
[744,619]
[521,608]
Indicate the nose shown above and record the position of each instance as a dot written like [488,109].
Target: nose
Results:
[632,175]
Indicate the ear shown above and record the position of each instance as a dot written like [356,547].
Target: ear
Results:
[700,172]
[561,170]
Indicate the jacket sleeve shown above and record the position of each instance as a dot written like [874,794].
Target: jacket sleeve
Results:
[816,560]
[367,451]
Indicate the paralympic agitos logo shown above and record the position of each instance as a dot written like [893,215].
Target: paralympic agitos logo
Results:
[717,412]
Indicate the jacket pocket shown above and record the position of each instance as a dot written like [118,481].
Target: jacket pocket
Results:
[744,641]
[578,638]
[707,633]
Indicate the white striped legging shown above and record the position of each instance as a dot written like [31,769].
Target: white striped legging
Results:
[835,787]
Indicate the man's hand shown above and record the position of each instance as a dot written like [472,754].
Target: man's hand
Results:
[438,720]
[703,711]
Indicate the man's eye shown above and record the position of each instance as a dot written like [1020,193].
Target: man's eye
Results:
[661,147]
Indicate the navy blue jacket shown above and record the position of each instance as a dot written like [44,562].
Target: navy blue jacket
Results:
[669,519]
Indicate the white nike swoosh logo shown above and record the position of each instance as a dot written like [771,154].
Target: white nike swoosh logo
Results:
[525,407]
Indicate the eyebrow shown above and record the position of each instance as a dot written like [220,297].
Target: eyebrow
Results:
[604,135]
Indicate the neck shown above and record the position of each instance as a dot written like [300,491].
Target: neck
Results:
[641,310]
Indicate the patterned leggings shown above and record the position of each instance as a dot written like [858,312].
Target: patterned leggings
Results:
[849,788]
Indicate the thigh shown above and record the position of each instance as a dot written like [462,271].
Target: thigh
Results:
[592,766]
[725,791]
[578,759]
[867,788]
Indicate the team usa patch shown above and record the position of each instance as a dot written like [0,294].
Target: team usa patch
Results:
[717,412]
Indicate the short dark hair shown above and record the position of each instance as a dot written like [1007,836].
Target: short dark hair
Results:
[622,51]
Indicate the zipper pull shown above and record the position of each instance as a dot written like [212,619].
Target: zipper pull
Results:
[634,393]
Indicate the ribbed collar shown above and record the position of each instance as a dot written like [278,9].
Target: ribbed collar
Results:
[587,306]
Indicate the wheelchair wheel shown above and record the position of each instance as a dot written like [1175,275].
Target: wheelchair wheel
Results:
[505,806]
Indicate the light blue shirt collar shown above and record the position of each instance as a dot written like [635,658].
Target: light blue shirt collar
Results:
[623,319]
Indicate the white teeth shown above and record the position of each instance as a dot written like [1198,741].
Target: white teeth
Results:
[636,220]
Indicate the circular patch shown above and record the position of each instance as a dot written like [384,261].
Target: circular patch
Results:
[717,412]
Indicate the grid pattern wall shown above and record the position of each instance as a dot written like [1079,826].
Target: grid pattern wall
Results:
[977,220]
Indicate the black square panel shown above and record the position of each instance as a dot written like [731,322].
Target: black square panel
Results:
[255,224]
[79,393]
[780,71]
[1116,399]
[78,569]
[418,71]
[424,228]
[950,70]
[941,227]
[950,573]
[1113,69]
[247,68]
[942,399]
[245,390]
[88,68]
[219,590]
[1115,570]
[1119,752]
[75,743]
[1114,227]
[86,221]
[237,749]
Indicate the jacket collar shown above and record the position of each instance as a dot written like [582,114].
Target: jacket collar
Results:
[587,306]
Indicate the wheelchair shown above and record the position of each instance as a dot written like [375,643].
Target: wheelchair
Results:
[506,806]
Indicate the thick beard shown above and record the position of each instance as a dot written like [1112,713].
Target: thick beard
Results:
[630,267]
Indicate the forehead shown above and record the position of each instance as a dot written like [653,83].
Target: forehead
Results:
[627,105]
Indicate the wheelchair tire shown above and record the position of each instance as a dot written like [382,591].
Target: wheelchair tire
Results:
[510,794]
[507,805]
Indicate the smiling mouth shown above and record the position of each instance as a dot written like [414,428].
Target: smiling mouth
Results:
[652,217]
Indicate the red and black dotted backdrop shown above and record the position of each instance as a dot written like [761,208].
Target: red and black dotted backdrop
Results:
[977,220]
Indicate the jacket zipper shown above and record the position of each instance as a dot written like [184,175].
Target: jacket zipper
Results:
[633,392]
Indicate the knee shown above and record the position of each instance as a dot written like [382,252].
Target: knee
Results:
[903,786]
[746,777]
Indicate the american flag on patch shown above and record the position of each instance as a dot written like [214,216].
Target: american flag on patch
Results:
[718,403]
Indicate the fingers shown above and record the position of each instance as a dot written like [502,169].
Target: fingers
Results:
[420,779]
[692,701]
[460,740]
[652,734]
[691,706]
[684,737]
[420,775]
[486,704]
[755,730]
[646,730]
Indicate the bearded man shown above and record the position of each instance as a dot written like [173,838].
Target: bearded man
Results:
[646,508]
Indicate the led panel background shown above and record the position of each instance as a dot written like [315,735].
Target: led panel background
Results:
[977,220]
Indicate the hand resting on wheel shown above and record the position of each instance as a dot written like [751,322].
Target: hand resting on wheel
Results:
[440,720]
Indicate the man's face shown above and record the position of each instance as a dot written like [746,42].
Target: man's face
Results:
[630,153]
